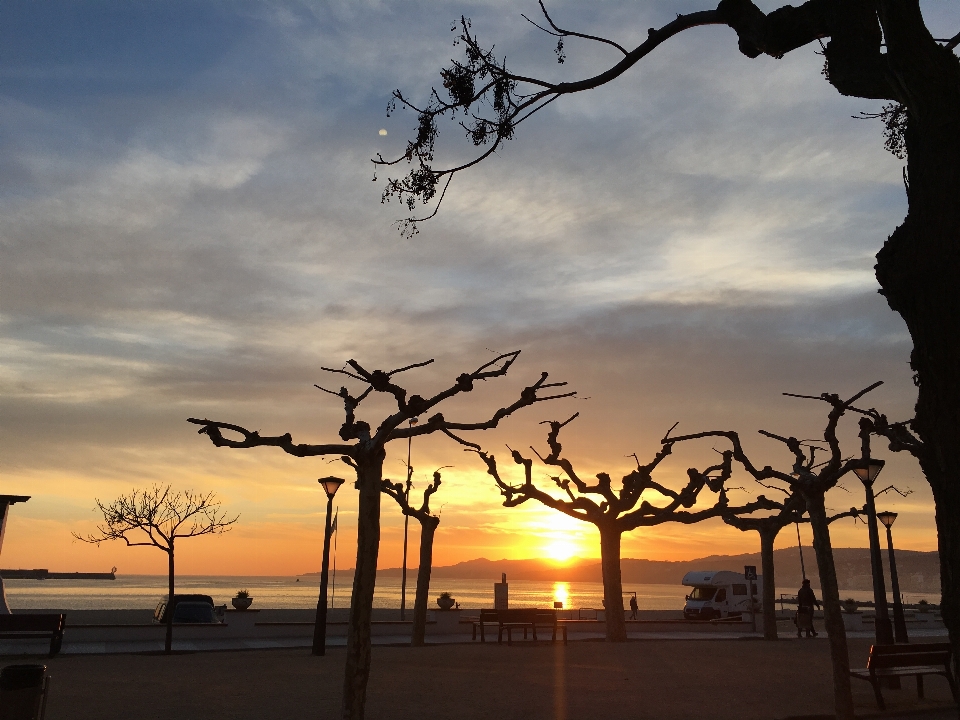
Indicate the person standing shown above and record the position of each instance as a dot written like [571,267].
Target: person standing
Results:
[805,603]
[633,607]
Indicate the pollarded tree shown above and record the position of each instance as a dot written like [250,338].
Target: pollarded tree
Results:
[615,511]
[428,528]
[791,511]
[875,49]
[812,480]
[363,448]
[157,517]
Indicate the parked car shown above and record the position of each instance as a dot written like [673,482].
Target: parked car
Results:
[188,609]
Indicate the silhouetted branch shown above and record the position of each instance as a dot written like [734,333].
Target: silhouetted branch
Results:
[159,515]
[213,429]
[618,505]
[803,472]
[558,32]
[389,429]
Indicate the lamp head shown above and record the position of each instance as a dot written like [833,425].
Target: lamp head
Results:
[887,517]
[869,472]
[331,485]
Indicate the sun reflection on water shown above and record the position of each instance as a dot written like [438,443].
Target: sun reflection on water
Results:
[560,593]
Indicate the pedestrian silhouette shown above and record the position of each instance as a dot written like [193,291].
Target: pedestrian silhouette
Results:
[805,602]
[633,607]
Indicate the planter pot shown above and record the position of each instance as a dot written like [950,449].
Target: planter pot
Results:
[446,603]
[242,603]
[852,621]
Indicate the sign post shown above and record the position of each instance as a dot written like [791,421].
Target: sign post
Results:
[750,573]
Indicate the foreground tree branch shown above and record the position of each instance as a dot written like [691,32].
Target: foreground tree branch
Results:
[918,267]
[614,511]
[363,448]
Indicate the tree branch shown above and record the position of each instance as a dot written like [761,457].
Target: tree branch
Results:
[213,428]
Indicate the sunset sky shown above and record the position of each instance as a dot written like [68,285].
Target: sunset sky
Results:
[189,229]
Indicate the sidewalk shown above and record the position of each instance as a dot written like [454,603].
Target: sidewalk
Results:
[646,679]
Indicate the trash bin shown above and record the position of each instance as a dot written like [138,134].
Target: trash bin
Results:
[22,692]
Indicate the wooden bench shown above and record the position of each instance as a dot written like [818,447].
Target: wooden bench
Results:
[526,619]
[904,660]
[22,627]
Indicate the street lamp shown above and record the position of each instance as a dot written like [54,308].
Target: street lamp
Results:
[899,623]
[330,486]
[867,472]
[406,525]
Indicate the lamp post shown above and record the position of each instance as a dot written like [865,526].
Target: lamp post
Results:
[899,624]
[867,473]
[330,486]
[406,525]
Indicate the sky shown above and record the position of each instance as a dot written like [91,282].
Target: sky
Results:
[189,228]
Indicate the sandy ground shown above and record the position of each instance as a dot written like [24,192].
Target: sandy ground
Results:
[662,679]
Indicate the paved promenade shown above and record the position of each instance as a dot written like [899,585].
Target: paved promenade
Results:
[720,679]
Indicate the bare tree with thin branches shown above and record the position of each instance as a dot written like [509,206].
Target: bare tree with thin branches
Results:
[812,480]
[428,528]
[363,449]
[157,517]
[614,511]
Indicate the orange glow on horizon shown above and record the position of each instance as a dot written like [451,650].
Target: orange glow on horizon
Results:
[560,550]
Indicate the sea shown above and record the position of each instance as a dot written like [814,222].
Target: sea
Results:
[133,592]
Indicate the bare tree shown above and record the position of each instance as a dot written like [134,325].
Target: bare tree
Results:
[811,480]
[873,49]
[366,455]
[156,517]
[428,528]
[791,511]
[615,512]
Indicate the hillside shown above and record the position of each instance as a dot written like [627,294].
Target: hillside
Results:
[918,571]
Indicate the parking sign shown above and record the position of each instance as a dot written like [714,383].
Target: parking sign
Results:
[750,572]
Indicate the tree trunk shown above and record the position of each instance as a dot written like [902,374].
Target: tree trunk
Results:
[357,670]
[842,695]
[427,530]
[612,584]
[168,642]
[919,271]
[767,536]
[946,495]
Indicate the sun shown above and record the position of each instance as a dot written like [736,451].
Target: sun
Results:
[560,550]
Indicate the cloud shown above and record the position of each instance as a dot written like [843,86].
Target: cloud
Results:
[190,228]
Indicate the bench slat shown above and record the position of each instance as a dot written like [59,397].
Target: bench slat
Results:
[905,661]
[907,658]
[34,626]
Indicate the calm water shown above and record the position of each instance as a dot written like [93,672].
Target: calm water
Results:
[143,591]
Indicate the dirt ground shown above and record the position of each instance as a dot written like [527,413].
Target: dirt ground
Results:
[657,679]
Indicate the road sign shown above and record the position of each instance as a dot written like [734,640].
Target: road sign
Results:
[750,572]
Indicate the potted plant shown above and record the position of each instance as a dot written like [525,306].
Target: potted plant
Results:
[850,605]
[852,617]
[446,601]
[924,611]
[242,601]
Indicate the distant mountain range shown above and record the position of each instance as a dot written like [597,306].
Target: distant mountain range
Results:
[918,571]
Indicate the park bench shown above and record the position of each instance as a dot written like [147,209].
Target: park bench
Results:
[21,627]
[887,661]
[526,619]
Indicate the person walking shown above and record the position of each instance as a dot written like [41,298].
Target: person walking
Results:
[633,607]
[805,603]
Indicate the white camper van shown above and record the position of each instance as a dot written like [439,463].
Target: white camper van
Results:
[719,594]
